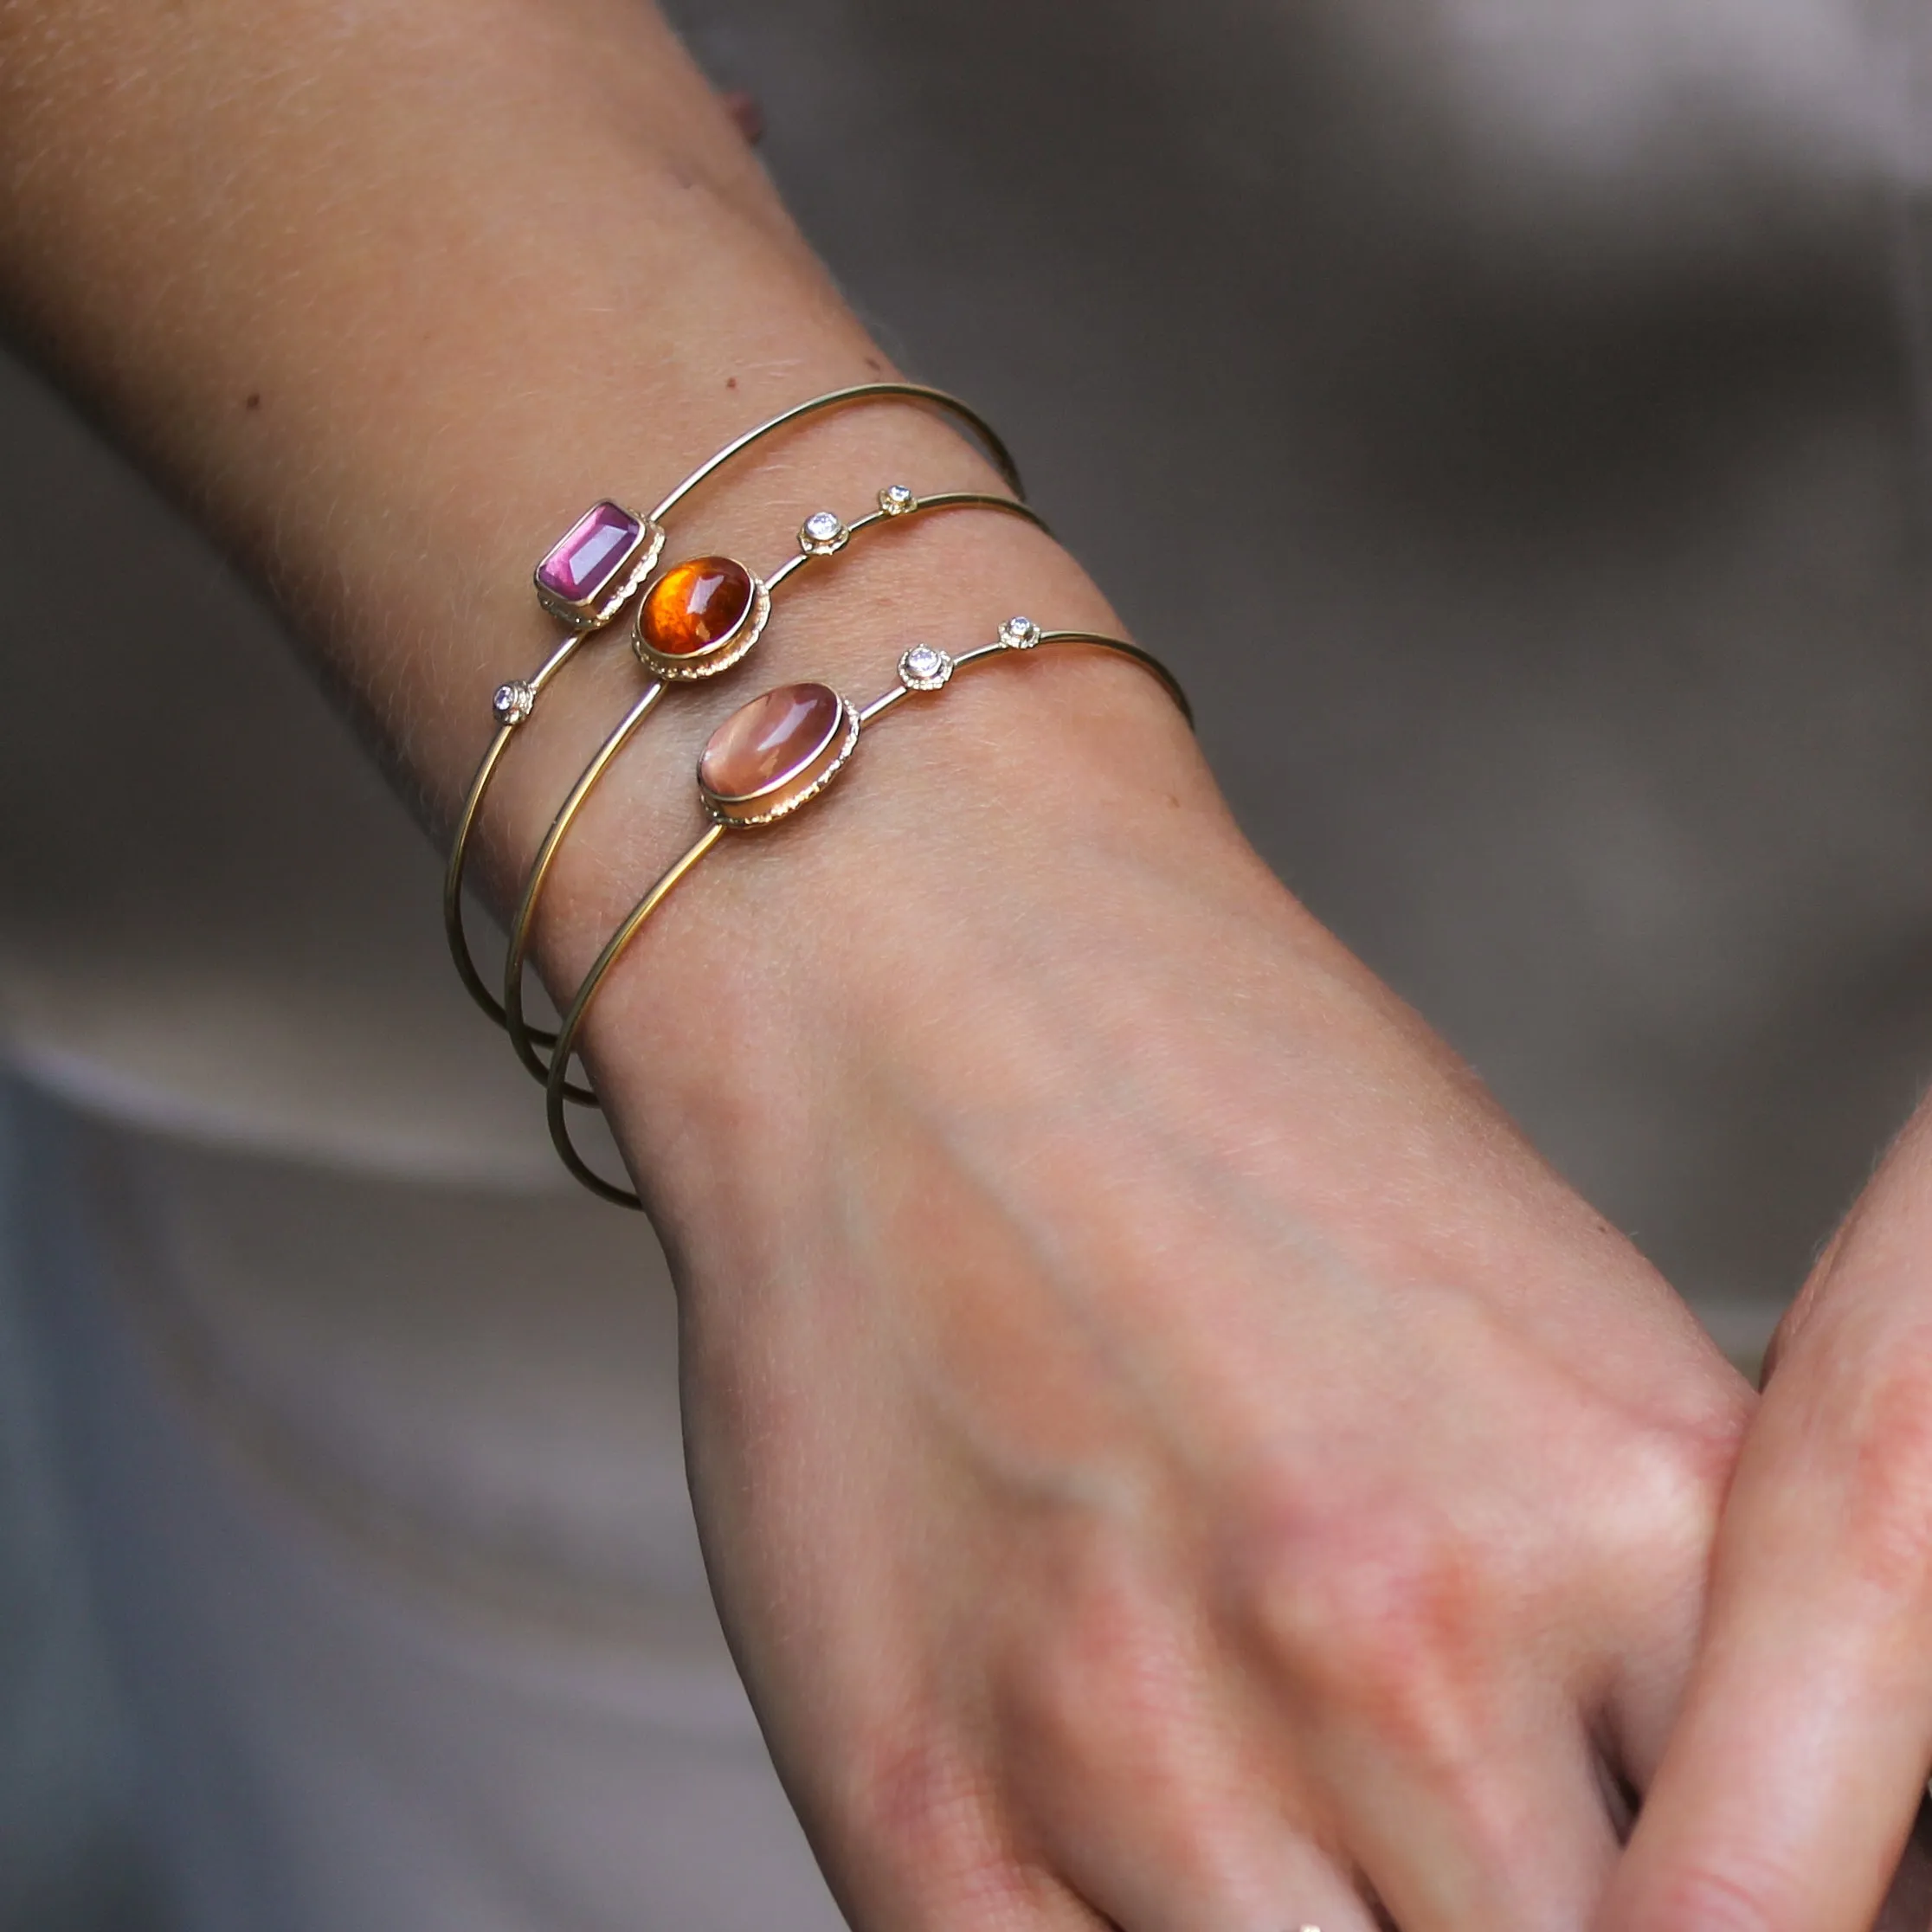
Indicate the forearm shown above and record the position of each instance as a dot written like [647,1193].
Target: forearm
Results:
[392,295]
[362,282]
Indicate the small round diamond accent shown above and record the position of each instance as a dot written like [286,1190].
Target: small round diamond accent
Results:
[821,533]
[895,500]
[922,668]
[1018,634]
[513,703]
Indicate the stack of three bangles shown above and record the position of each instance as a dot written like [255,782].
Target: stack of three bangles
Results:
[695,621]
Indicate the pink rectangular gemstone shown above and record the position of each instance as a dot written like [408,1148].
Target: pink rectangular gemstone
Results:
[582,564]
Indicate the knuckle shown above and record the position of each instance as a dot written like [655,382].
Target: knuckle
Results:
[914,1800]
[1671,1484]
[1711,1897]
[916,1840]
[1378,1614]
[1100,1688]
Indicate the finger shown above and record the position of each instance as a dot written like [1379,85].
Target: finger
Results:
[1179,1877]
[924,1847]
[1641,1712]
[1178,1834]
[1157,1786]
[1641,1696]
[1438,1701]
[1505,1827]
[1786,1795]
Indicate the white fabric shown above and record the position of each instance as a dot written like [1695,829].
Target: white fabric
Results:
[383,1490]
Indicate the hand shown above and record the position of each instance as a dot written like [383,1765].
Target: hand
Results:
[1789,1790]
[1165,1447]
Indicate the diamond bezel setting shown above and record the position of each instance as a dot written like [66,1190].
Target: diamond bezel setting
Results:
[897,500]
[1020,634]
[513,702]
[925,668]
[823,533]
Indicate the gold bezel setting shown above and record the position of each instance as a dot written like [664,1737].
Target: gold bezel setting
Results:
[824,534]
[797,787]
[925,667]
[618,588]
[513,703]
[720,655]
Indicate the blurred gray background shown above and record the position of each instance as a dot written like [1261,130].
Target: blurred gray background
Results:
[69,1842]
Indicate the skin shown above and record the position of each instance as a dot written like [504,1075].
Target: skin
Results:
[1166,1448]
[1791,1786]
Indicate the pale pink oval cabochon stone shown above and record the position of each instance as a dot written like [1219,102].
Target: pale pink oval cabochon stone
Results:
[767,740]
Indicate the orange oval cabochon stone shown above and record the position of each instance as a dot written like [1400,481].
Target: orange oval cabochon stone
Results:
[695,605]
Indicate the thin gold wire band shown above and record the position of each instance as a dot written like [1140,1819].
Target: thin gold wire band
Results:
[896,505]
[515,702]
[921,670]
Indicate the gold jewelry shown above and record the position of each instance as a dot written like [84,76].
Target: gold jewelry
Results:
[766,760]
[589,577]
[670,645]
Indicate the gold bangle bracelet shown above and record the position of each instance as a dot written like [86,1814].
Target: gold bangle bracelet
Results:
[589,577]
[745,601]
[766,760]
